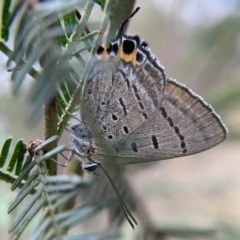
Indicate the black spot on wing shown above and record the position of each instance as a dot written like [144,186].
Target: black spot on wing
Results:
[175,128]
[115,48]
[181,137]
[163,112]
[100,50]
[114,117]
[128,83]
[110,137]
[141,105]
[155,142]
[144,44]
[123,106]
[125,129]
[134,147]
[145,115]
[170,122]
[136,92]
[183,145]
[124,77]
[109,49]
[128,46]
[139,57]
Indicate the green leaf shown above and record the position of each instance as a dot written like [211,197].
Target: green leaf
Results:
[34,210]
[18,153]
[67,85]
[101,3]
[70,20]
[94,236]
[22,175]
[62,39]
[60,104]
[25,211]
[80,214]
[5,151]
[19,74]
[116,12]
[5,19]
[23,193]
[53,195]
[20,161]
[32,177]
[75,216]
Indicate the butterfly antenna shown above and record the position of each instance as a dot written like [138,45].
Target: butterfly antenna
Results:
[126,212]
[124,23]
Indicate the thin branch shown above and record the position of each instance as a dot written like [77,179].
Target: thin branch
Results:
[50,129]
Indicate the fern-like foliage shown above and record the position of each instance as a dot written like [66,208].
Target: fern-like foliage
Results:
[51,39]
[15,160]
[51,195]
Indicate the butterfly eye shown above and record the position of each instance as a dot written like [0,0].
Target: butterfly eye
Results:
[91,167]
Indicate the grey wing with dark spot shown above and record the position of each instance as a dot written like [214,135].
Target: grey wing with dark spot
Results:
[121,97]
[183,124]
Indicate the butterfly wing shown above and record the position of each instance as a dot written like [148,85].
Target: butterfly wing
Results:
[183,125]
[142,116]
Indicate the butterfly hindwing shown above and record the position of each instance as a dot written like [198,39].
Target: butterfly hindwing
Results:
[182,125]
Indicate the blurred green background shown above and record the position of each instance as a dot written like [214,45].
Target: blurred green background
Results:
[198,42]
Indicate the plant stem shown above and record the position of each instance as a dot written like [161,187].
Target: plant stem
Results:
[50,129]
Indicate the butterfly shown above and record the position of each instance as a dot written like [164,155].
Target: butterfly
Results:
[131,112]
